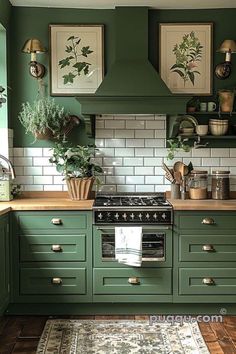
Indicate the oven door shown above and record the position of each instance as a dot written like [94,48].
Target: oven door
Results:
[156,246]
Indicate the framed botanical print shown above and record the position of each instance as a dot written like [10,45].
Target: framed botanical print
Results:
[76,59]
[185,52]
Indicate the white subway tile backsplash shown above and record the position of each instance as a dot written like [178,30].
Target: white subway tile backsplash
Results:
[144,134]
[50,171]
[124,152]
[115,143]
[22,161]
[43,180]
[144,152]
[134,142]
[145,188]
[41,161]
[144,171]
[152,161]
[133,161]
[33,152]
[112,161]
[155,143]
[131,151]
[140,124]
[134,179]
[124,133]
[123,171]
[33,171]
[115,124]
[125,188]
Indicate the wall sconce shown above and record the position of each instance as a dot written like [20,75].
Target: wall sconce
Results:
[32,47]
[223,70]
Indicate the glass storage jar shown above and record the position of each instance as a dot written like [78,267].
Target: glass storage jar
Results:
[220,186]
[198,182]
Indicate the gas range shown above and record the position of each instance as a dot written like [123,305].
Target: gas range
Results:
[126,208]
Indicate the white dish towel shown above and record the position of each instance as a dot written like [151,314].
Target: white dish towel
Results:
[128,245]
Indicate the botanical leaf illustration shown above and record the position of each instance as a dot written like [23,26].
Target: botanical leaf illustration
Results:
[187,54]
[77,67]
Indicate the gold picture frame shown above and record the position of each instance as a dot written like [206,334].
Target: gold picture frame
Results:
[185,52]
[77,65]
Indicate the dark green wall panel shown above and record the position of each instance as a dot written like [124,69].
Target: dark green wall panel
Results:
[33,22]
[5,12]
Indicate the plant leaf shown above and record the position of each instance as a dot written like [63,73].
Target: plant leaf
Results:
[178,72]
[65,62]
[86,51]
[191,76]
[68,78]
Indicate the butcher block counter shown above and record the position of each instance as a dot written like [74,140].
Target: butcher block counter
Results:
[61,201]
[45,201]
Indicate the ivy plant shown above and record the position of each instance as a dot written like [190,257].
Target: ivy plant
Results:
[75,59]
[176,145]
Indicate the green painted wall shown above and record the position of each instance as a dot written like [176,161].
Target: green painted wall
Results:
[5,12]
[33,22]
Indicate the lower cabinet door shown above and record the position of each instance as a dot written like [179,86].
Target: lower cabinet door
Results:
[132,281]
[54,281]
[207,281]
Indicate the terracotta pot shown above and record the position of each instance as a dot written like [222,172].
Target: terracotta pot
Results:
[226,98]
[48,135]
[80,188]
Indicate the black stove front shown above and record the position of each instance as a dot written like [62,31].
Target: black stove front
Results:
[132,209]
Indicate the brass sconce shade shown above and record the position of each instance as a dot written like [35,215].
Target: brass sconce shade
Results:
[34,46]
[223,70]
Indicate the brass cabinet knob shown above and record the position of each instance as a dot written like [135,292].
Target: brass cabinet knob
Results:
[134,281]
[56,221]
[208,248]
[56,248]
[57,281]
[208,221]
[208,281]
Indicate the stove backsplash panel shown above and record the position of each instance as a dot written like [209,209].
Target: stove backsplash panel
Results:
[131,151]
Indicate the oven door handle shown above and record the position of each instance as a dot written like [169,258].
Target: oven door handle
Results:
[154,227]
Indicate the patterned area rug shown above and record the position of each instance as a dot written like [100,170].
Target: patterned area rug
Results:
[120,337]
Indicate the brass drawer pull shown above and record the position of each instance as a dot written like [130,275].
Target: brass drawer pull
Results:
[56,221]
[208,221]
[57,281]
[208,248]
[56,248]
[134,281]
[208,281]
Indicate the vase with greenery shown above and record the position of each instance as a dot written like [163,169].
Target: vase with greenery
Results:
[193,104]
[44,118]
[76,165]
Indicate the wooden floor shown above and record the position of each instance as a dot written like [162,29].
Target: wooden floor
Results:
[20,334]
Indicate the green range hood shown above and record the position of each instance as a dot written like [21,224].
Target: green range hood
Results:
[132,85]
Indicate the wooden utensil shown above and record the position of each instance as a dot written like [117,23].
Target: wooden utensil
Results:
[178,177]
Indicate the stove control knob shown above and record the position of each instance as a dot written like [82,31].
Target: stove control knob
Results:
[124,216]
[155,216]
[117,216]
[132,216]
[164,216]
[140,216]
[147,216]
[100,216]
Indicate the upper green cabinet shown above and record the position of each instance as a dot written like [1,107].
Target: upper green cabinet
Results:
[4,263]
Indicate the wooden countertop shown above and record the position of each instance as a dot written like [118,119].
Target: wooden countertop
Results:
[205,204]
[61,201]
[42,203]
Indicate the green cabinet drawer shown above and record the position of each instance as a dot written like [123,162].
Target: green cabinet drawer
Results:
[218,281]
[119,281]
[52,281]
[57,222]
[52,248]
[207,221]
[207,248]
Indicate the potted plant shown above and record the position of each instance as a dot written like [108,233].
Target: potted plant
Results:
[193,104]
[45,119]
[75,164]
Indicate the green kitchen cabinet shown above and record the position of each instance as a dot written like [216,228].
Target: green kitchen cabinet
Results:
[4,263]
[51,256]
[204,257]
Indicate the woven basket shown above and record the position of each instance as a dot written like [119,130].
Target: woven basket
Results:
[80,188]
